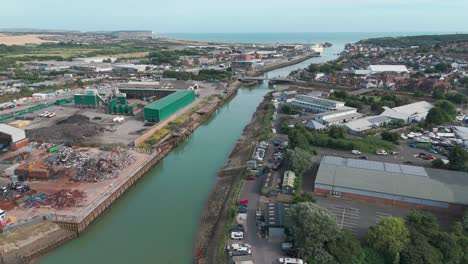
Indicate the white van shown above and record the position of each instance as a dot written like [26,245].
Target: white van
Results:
[291,261]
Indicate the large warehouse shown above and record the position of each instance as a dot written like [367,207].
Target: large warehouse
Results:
[12,137]
[394,184]
[167,106]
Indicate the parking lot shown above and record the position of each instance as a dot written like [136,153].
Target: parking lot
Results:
[358,216]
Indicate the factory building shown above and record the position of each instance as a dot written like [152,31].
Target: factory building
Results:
[316,104]
[167,106]
[343,114]
[410,113]
[393,184]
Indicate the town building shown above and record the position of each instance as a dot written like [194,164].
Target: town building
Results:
[410,113]
[287,187]
[393,184]
[275,214]
[95,59]
[316,104]
[314,125]
[369,122]
[341,115]
[377,69]
[245,66]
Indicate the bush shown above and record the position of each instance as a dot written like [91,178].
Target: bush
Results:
[390,136]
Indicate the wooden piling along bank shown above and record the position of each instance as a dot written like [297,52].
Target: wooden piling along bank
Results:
[79,223]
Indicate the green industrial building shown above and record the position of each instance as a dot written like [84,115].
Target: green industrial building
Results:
[89,100]
[167,106]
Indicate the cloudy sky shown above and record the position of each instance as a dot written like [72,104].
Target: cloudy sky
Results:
[203,16]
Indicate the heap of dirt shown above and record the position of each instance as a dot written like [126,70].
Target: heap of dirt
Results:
[74,129]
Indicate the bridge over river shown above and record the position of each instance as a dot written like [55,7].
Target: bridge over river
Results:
[271,81]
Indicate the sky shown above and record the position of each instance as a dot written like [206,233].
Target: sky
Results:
[239,16]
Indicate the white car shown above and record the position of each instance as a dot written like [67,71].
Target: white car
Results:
[235,249]
[381,152]
[356,152]
[291,261]
[411,135]
[403,136]
[237,235]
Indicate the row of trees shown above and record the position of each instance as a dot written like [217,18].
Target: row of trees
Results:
[414,240]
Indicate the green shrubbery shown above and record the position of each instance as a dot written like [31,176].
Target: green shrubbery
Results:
[305,139]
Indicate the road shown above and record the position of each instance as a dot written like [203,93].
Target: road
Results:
[263,251]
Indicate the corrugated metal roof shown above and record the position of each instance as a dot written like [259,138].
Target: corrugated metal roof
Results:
[16,134]
[159,104]
[410,181]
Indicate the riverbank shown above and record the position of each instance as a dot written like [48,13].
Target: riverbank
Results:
[219,210]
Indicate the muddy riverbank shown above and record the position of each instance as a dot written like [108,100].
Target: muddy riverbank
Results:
[215,215]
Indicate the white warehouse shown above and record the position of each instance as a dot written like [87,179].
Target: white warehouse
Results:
[316,104]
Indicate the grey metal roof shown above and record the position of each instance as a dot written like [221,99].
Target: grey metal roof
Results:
[396,179]
[16,134]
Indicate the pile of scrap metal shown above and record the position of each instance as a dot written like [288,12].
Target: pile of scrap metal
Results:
[91,166]
[105,165]
[59,200]
[35,200]
[65,198]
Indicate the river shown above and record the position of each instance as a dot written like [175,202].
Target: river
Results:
[156,220]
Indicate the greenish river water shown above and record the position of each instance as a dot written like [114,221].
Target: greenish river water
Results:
[156,220]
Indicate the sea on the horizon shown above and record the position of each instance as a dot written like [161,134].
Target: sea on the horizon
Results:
[338,39]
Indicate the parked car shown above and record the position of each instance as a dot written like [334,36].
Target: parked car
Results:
[239,249]
[403,136]
[381,152]
[291,261]
[356,152]
[242,209]
[363,157]
[238,227]
[237,235]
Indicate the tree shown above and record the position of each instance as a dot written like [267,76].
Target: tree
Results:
[448,245]
[371,256]
[420,251]
[438,95]
[346,248]
[438,164]
[390,235]
[423,222]
[390,136]
[287,109]
[336,132]
[437,116]
[442,67]
[465,221]
[299,160]
[311,228]
[457,159]
[448,107]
